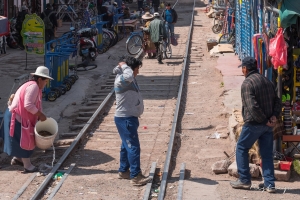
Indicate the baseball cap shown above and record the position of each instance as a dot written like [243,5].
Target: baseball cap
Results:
[168,4]
[249,62]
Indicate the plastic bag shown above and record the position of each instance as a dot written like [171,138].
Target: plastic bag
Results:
[278,49]
[174,41]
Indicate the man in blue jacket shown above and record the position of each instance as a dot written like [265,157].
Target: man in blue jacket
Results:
[170,17]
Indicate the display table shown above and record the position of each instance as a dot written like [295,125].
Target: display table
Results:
[291,139]
[132,23]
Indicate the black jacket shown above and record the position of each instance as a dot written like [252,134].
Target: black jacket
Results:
[20,19]
[52,17]
[259,99]
[174,15]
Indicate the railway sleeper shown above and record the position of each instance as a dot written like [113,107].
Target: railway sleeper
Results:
[75,127]
[93,102]
[88,108]
[82,118]
[85,114]
[96,99]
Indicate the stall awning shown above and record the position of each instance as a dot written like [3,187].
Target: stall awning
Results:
[289,12]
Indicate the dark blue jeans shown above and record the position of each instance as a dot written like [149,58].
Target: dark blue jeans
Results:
[264,135]
[130,148]
[169,26]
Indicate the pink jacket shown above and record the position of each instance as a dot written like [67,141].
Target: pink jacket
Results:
[28,120]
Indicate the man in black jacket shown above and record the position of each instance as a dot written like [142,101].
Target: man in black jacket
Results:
[50,22]
[170,17]
[261,108]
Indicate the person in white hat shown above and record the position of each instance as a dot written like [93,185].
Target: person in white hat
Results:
[157,32]
[23,112]
[149,46]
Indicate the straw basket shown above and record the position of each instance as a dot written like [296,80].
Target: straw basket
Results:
[49,125]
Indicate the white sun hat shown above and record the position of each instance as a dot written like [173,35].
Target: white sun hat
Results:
[156,14]
[42,71]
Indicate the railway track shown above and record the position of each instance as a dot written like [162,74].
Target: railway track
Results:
[91,160]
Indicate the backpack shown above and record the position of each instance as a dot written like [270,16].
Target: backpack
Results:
[47,22]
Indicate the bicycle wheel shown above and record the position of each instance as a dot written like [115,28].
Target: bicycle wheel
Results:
[162,51]
[106,41]
[217,28]
[51,96]
[168,51]
[226,39]
[109,37]
[115,36]
[134,44]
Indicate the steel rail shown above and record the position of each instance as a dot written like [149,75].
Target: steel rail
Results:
[175,4]
[173,130]
[70,149]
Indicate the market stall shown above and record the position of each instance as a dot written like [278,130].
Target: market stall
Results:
[270,32]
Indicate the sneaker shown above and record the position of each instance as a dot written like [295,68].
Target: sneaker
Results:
[124,175]
[239,185]
[268,189]
[140,179]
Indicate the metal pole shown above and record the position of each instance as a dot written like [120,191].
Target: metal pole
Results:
[26,62]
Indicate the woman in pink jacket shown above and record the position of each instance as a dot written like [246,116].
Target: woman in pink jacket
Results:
[24,110]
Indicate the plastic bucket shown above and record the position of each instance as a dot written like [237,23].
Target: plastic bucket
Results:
[49,125]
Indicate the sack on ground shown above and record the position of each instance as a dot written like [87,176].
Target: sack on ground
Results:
[174,41]
[220,167]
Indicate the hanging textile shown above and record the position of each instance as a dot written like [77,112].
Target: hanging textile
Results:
[289,12]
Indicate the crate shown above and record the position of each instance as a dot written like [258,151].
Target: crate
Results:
[285,165]
[210,45]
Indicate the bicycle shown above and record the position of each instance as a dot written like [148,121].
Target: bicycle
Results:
[134,43]
[228,38]
[217,27]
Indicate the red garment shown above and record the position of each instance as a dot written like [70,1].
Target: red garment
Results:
[28,120]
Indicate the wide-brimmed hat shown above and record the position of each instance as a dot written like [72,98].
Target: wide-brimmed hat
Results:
[147,15]
[156,14]
[42,71]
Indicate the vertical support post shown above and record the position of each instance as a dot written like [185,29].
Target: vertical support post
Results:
[26,62]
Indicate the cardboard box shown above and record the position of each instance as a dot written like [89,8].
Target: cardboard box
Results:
[210,45]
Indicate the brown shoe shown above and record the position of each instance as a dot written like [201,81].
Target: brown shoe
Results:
[140,179]
[124,175]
